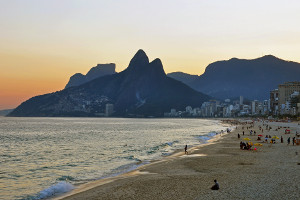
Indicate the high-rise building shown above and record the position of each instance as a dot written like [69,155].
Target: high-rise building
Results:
[254,107]
[274,101]
[173,111]
[109,109]
[189,109]
[241,100]
[285,90]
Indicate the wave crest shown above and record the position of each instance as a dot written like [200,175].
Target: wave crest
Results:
[56,189]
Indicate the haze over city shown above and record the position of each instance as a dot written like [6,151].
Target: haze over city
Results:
[43,43]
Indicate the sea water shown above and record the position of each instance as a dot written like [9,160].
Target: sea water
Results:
[42,157]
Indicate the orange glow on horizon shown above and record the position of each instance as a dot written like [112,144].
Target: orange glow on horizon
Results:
[43,43]
[17,90]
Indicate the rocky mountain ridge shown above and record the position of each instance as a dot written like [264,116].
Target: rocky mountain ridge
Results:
[253,79]
[95,72]
[142,89]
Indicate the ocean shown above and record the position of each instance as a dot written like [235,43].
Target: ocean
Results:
[41,157]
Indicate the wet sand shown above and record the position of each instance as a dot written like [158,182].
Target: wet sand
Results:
[270,172]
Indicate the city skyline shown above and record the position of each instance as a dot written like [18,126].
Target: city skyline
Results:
[44,43]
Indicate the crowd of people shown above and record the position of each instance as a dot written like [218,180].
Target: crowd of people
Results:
[246,146]
[267,138]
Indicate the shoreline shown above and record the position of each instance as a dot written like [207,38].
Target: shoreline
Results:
[268,172]
[137,170]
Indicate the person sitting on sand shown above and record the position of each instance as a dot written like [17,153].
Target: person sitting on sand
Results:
[215,186]
[266,139]
[273,141]
[258,138]
[244,146]
[248,146]
[241,145]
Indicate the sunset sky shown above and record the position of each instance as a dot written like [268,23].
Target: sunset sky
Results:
[43,43]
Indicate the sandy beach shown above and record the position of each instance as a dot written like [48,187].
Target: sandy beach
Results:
[269,172]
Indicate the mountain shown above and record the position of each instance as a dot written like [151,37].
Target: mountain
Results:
[142,89]
[253,79]
[95,72]
[5,112]
[183,77]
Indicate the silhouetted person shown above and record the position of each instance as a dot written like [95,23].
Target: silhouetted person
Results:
[289,140]
[281,139]
[215,186]
[243,132]
[258,138]
[185,149]
[239,135]
[294,139]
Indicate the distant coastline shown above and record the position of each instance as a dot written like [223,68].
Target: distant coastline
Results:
[5,112]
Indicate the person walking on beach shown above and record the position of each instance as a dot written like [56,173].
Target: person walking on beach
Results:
[294,139]
[215,186]
[281,139]
[289,140]
[243,132]
[239,136]
[185,149]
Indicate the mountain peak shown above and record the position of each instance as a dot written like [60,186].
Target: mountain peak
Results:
[141,90]
[95,72]
[139,59]
[157,61]
[157,66]
[269,57]
[141,51]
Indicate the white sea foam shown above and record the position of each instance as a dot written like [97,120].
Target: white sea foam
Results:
[193,155]
[87,149]
[56,189]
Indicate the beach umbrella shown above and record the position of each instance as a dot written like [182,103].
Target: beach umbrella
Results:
[247,139]
[258,144]
[275,137]
[260,135]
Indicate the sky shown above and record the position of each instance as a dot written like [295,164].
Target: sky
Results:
[43,43]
